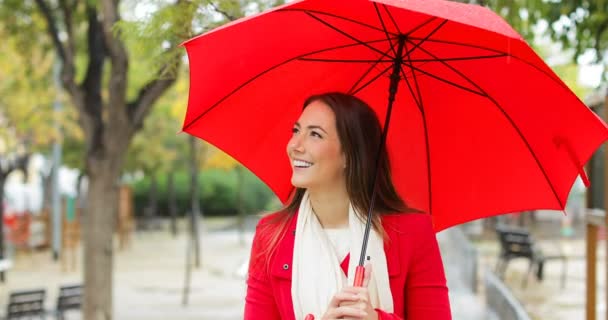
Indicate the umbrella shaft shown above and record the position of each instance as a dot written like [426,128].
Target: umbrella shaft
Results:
[392,92]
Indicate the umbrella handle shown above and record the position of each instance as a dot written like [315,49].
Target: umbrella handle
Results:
[359,275]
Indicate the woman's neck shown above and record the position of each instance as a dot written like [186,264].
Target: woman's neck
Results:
[331,208]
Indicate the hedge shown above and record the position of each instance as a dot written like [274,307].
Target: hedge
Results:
[218,193]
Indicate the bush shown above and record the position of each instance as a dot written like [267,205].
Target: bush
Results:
[217,193]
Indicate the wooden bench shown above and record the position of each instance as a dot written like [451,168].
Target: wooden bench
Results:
[518,243]
[69,298]
[26,304]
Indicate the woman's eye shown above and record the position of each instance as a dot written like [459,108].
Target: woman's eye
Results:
[295,130]
[315,134]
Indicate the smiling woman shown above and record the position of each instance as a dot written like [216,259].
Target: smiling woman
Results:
[303,257]
[317,159]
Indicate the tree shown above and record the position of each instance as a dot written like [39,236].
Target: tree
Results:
[109,111]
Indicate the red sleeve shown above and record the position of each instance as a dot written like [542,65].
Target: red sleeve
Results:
[259,302]
[426,292]
[387,316]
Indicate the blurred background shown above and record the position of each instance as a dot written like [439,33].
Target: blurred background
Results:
[109,212]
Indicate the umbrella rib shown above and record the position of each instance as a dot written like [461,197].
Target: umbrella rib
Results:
[268,70]
[365,75]
[345,60]
[392,19]
[556,80]
[384,28]
[509,119]
[500,55]
[339,17]
[417,45]
[370,81]
[412,30]
[420,104]
[329,25]
[411,91]
[426,61]
[446,81]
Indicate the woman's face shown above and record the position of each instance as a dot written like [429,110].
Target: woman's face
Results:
[314,149]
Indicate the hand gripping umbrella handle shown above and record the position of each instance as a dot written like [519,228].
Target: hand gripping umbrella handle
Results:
[359,274]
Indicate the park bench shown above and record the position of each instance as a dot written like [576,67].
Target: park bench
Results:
[518,243]
[26,305]
[69,298]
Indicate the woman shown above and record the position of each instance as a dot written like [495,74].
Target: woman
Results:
[303,257]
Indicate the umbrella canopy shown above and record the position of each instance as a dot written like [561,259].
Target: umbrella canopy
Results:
[480,124]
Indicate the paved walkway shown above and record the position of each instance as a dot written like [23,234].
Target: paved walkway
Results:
[149,279]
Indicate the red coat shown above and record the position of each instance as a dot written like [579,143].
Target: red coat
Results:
[415,271]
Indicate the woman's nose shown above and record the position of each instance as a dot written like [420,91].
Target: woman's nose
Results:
[295,143]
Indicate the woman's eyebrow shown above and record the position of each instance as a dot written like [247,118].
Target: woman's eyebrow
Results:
[297,124]
[316,127]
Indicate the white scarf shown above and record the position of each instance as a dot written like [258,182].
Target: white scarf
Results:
[316,272]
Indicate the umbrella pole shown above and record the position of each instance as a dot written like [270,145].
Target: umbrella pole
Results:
[392,92]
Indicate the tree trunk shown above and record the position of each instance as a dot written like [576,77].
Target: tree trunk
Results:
[172,203]
[151,211]
[195,211]
[99,223]
[80,196]
[2,181]
[241,206]
[606,200]
[47,186]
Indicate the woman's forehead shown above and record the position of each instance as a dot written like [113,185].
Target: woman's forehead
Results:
[318,113]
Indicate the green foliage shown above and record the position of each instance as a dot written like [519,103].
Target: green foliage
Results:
[577,24]
[218,193]
[153,41]
[27,95]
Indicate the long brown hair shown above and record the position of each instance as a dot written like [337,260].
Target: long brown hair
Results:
[359,132]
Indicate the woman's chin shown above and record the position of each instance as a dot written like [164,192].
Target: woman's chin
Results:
[298,183]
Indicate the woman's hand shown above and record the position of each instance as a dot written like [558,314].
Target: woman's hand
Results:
[353,302]
[339,309]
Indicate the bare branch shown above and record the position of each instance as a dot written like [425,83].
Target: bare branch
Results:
[153,90]
[598,41]
[118,55]
[222,12]
[66,56]
[67,20]
[52,27]
[140,107]
[96,50]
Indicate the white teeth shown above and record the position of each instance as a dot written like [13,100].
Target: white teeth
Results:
[301,164]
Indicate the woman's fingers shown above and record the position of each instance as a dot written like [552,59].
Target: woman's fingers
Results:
[346,312]
[343,297]
[358,291]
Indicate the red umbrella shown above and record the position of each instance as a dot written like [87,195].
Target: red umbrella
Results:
[480,124]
